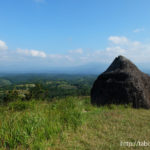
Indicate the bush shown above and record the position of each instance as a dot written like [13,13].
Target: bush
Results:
[20,105]
[10,96]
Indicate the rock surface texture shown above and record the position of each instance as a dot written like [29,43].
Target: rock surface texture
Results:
[122,83]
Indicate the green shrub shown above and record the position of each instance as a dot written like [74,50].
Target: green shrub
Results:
[10,96]
[20,105]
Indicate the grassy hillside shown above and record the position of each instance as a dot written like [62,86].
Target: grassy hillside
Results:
[71,123]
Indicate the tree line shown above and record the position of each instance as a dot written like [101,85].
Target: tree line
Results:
[45,92]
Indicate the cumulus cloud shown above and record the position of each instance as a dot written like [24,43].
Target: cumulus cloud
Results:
[76,51]
[115,49]
[58,57]
[34,53]
[3,45]
[138,30]
[118,39]
[118,45]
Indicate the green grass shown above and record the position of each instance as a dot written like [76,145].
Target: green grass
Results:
[71,123]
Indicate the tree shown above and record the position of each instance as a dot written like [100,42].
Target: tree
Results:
[10,96]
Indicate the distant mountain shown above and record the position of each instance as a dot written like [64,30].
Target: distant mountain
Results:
[90,68]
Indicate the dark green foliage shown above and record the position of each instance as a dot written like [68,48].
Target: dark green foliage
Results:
[10,96]
[45,86]
[49,91]
[37,92]
[20,105]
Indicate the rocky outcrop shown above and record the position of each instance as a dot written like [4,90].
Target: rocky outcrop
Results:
[122,83]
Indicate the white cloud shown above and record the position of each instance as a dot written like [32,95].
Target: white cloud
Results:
[3,45]
[34,53]
[60,58]
[116,49]
[118,40]
[138,30]
[118,45]
[77,51]
[134,50]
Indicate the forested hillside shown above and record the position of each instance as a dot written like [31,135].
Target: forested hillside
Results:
[44,86]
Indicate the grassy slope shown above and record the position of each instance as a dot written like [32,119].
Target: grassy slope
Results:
[71,123]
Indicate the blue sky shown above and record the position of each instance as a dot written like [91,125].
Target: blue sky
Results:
[55,33]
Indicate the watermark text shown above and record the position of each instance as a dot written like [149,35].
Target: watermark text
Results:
[135,143]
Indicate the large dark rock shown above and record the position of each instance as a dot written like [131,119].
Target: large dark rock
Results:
[122,83]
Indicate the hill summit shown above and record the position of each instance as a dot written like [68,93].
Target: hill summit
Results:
[122,83]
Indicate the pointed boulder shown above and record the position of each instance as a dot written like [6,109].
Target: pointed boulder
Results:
[122,83]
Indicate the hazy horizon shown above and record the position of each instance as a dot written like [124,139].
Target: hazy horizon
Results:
[88,69]
[77,36]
